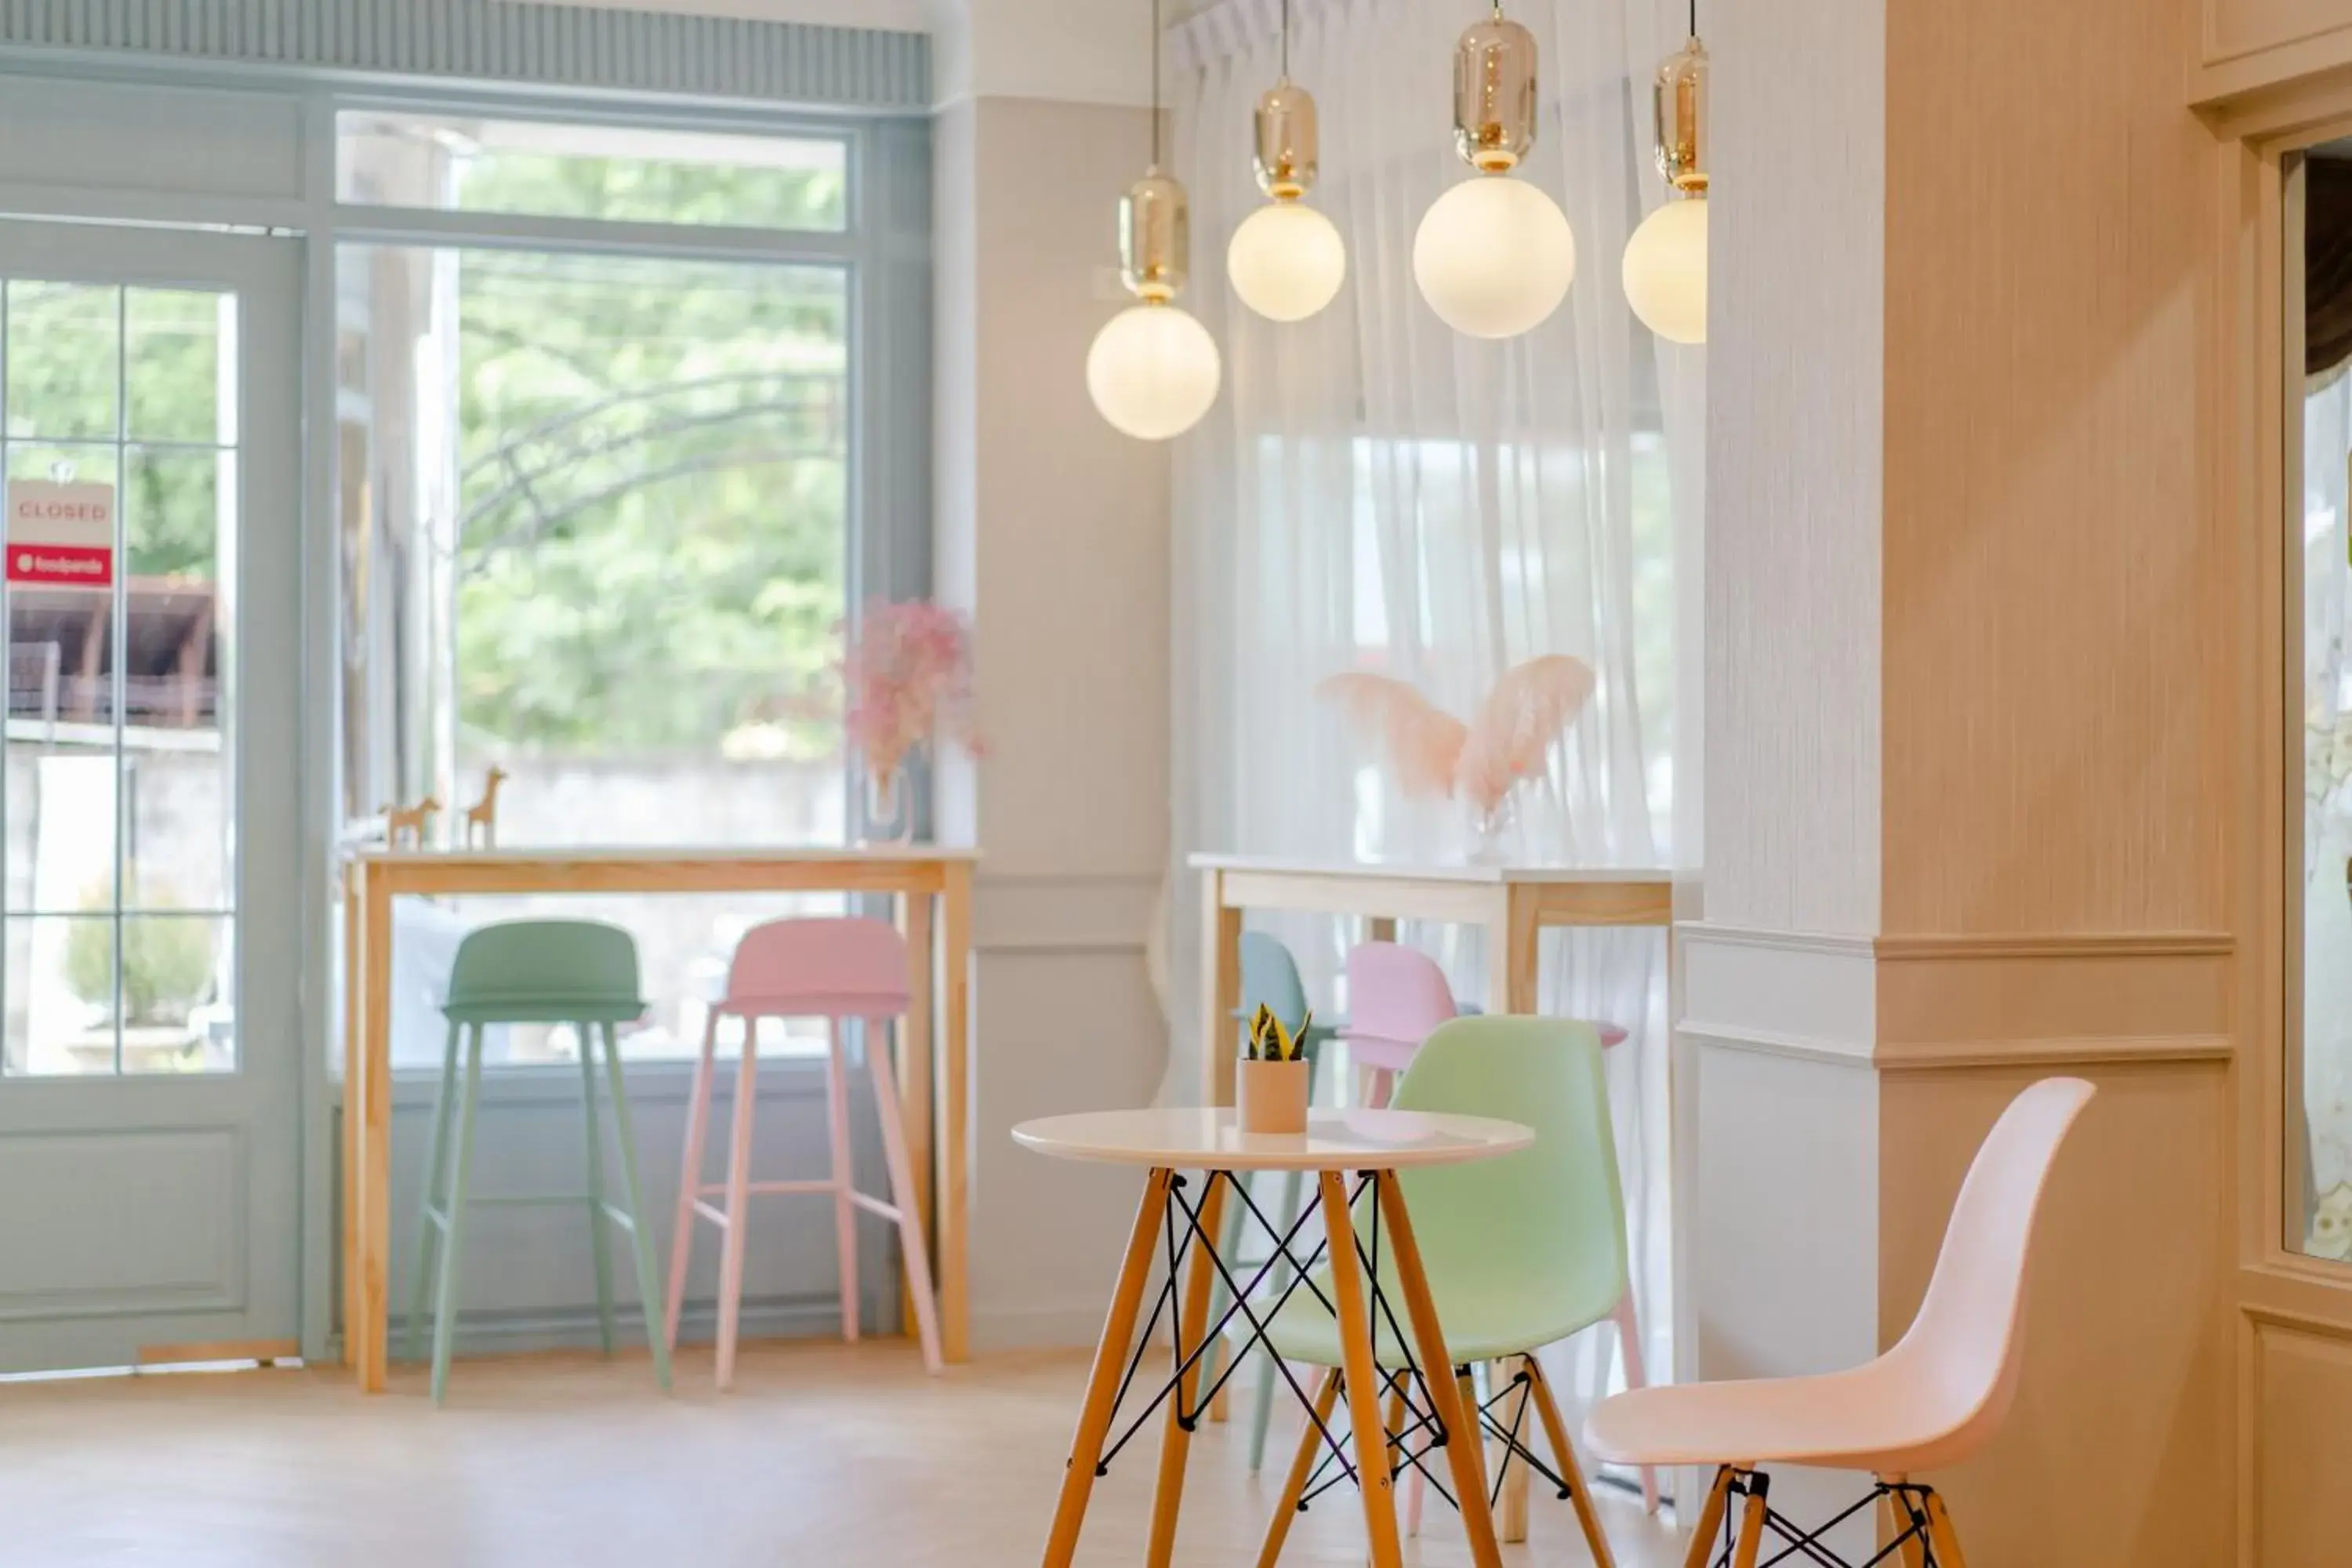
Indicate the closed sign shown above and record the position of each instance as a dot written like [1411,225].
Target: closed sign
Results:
[60,535]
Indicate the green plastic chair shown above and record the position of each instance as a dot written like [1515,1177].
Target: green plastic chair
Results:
[1520,1251]
[1270,977]
[581,972]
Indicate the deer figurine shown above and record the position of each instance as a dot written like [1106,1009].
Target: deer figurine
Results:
[484,813]
[411,820]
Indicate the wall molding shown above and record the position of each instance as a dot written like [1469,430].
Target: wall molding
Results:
[2087,1051]
[1063,913]
[544,45]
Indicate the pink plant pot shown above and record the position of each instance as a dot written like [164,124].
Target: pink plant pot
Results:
[1272,1096]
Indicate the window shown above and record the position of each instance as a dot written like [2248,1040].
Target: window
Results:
[598,518]
[117,855]
[612,173]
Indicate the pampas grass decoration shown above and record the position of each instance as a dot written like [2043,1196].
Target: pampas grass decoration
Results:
[1436,755]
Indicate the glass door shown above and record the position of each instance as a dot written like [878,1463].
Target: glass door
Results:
[150,1146]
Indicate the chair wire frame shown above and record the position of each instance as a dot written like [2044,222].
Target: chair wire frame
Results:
[1418,1431]
[1914,1543]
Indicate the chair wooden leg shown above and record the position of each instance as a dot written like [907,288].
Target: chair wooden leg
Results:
[1511,1508]
[1262,1402]
[915,1248]
[1302,1464]
[1711,1520]
[689,1179]
[1751,1522]
[1456,1408]
[739,1205]
[1102,1384]
[445,1315]
[1191,1326]
[1910,1525]
[845,1210]
[1349,1295]
[1563,1454]
[1947,1540]
[1229,1243]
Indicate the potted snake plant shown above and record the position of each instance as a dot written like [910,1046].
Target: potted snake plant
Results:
[1274,1075]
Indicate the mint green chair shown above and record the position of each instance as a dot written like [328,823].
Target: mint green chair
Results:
[581,972]
[1520,1252]
[1270,977]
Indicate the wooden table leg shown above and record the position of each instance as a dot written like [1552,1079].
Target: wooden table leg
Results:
[1191,1326]
[376,1130]
[1437,1370]
[1348,1294]
[1513,960]
[955,1155]
[1302,1465]
[914,1064]
[1102,1385]
[354,1110]
[1221,989]
[1379,928]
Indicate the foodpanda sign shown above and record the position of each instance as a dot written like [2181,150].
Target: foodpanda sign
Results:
[60,535]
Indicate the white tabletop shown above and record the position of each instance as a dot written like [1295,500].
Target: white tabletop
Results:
[1433,872]
[1193,1139]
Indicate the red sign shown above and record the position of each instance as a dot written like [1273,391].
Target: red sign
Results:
[60,535]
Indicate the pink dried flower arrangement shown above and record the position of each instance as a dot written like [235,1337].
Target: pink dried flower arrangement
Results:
[906,675]
[1437,756]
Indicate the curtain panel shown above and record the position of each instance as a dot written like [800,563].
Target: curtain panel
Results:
[1374,491]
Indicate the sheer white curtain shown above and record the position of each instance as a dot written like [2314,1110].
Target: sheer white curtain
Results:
[1373,491]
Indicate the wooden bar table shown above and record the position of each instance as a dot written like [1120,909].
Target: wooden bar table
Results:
[914,875]
[1514,903]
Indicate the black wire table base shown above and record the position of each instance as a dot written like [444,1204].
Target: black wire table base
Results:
[1177,1231]
[1756,1528]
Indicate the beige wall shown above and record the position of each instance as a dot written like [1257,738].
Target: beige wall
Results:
[1957,517]
[1054,530]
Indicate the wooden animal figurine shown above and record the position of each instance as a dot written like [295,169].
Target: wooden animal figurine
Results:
[412,820]
[484,813]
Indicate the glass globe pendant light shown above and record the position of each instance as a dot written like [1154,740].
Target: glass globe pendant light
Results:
[1287,260]
[1665,261]
[1494,256]
[1153,371]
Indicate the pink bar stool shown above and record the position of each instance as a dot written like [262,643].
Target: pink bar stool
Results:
[1396,997]
[835,970]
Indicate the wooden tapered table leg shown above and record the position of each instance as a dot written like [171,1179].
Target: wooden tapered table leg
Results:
[1711,1520]
[954,1195]
[1221,989]
[375,1131]
[1102,1384]
[1437,1370]
[1348,1294]
[915,1075]
[1192,1325]
[353,1112]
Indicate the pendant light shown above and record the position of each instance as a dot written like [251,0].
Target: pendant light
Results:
[1153,370]
[1665,261]
[1494,256]
[1287,260]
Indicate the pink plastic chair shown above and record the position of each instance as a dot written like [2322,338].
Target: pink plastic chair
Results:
[833,969]
[1932,1401]
[1396,997]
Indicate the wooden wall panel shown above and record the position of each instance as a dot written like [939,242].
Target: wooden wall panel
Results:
[2302,1437]
[2053,619]
[2117,1454]
[2236,28]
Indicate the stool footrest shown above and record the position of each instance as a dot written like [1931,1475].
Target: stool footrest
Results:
[533,1200]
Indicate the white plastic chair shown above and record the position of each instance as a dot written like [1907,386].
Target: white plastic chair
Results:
[1932,1401]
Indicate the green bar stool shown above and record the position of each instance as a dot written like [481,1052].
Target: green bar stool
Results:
[581,972]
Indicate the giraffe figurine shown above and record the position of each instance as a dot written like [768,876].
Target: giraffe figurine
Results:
[484,813]
[411,820]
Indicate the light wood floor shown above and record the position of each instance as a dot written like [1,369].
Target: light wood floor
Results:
[826,1456]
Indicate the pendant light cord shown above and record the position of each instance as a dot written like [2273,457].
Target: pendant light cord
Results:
[1286,39]
[1694,18]
[1155,83]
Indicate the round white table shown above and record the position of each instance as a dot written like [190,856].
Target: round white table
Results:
[1374,1144]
